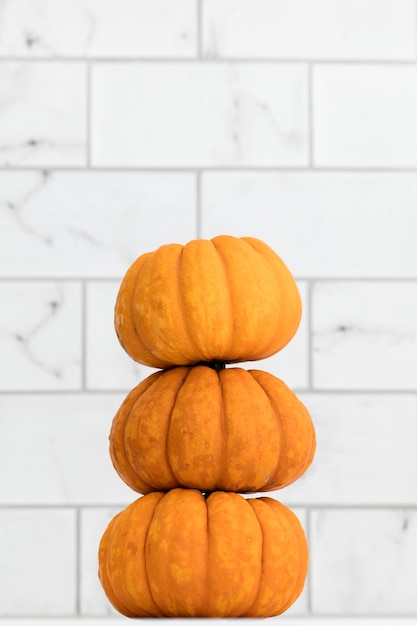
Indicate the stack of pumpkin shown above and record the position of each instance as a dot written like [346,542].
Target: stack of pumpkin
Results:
[195,434]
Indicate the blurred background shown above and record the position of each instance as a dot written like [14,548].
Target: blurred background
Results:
[126,125]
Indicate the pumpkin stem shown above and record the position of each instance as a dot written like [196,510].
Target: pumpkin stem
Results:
[215,365]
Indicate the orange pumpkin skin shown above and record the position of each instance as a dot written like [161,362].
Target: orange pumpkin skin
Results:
[226,299]
[195,427]
[180,554]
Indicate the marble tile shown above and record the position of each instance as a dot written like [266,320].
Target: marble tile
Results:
[315,29]
[38,562]
[43,114]
[40,335]
[364,115]
[365,335]
[98,28]
[62,449]
[366,451]
[321,223]
[107,364]
[196,115]
[90,223]
[93,601]
[363,562]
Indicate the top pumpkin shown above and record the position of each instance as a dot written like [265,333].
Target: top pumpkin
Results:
[227,299]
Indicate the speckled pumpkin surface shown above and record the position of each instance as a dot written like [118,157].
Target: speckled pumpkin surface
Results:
[195,427]
[226,299]
[181,554]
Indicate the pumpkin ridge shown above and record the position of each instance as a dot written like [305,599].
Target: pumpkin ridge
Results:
[187,372]
[271,480]
[144,558]
[223,428]
[302,546]
[229,299]
[122,435]
[158,362]
[104,573]
[181,314]
[122,583]
[277,265]
[248,609]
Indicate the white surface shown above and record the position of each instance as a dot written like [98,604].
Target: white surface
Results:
[364,116]
[42,120]
[90,223]
[323,224]
[95,28]
[211,114]
[316,29]
[365,335]
[38,565]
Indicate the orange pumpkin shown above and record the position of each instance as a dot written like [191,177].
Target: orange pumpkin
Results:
[226,299]
[231,430]
[181,554]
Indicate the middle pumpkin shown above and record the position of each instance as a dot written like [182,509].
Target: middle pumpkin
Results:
[211,429]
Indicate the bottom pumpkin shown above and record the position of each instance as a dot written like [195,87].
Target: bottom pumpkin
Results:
[184,554]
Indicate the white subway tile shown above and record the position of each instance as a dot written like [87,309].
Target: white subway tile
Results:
[363,562]
[38,562]
[291,363]
[335,29]
[365,335]
[108,366]
[43,114]
[63,450]
[97,28]
[90,223]
[366,451]
[93,601]
[323,224]
[364,115]
[40,335]
[182,114]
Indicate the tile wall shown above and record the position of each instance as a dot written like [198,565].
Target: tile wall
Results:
[125,125]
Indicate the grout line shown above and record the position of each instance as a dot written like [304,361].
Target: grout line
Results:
[297,390]
[84,337]
[200,52]
[308,279]
[199,214]
[310,550]
[78,563]
[310,297]
[88,115]
[311,115]
[208,60]
[309,506]
[223,169]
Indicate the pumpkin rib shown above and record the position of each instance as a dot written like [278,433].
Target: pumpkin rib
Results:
[224,431]
[138,349]
[145,556]
[104,574]
[302,549]
[121,583]
[299,468]
[182,290]
[229,300]
[291,293]
[118,452]
[161,380]
[167,452]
